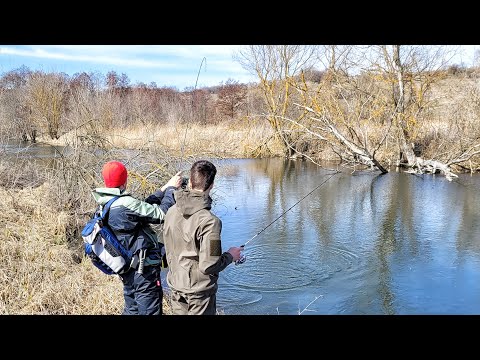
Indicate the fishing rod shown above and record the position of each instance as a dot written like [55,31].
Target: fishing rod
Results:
[243,258]
[193,93]
[182,148]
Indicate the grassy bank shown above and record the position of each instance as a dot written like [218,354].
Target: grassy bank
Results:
[40,272]
[227,139]
[42,267]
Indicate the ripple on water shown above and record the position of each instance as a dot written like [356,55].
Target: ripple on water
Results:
[236,296]
[266,271]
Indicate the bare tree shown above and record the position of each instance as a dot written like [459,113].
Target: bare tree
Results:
[143,104]
[328,111]
[368,99]
[231,96]
[336,57]
[346,113]
[412,71]
[276,66]
[16,112]
[83,109]
[476,58]
[46,98]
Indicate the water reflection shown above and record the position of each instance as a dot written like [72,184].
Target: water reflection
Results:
[359,244]
[367,244]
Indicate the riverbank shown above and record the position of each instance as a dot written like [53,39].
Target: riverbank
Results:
[42,266]
[40,272]
[233,139]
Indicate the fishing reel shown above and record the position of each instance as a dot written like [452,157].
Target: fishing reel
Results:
[242,259]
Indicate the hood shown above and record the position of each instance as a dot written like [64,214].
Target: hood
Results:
[190,201]
[102,195]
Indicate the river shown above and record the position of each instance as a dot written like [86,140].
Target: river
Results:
[347,243]
[359,244]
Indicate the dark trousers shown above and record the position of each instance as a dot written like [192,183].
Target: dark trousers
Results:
[142,293]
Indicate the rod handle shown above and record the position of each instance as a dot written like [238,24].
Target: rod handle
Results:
[242,259]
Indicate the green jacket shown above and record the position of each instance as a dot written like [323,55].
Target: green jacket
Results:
[130,218]
[193,244]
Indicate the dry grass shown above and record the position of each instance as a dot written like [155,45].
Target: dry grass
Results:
[42,267]
[40,273]
[229,139]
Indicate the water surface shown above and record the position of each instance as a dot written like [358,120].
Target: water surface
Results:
[359,244]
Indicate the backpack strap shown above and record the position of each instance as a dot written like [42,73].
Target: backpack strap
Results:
[107,206]
[105,210]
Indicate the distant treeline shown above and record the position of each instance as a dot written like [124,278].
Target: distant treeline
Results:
[376,106]
[37,104]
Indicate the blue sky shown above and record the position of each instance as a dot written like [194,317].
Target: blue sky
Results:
[166,65]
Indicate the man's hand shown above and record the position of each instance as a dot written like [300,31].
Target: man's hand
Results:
[236,252]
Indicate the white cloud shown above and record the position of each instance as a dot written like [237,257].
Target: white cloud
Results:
[169,57]
[178,51]
[175,65]
[102,57]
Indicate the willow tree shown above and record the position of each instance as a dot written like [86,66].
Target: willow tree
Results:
[387,97]
[334,110]
[371,99]
[345,110]
[277,67]
[412,72]
[46,97]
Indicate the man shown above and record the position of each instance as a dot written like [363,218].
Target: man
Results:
[193,246]
[129,219]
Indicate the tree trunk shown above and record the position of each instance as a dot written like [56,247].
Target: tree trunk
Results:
[405,149]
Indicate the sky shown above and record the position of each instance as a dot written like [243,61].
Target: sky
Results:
[167,65]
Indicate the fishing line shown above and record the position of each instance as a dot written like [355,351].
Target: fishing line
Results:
[243,258]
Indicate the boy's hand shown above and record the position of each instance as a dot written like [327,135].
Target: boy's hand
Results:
[175,181]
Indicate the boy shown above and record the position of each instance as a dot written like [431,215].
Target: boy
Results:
[129,219]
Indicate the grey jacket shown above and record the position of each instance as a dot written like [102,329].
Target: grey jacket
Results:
[193,245]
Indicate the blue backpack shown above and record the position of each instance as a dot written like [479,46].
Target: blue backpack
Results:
[102,246]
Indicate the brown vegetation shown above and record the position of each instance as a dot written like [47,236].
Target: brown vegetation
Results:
[392,113]
[44,206]
[40,271]
[371,106]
